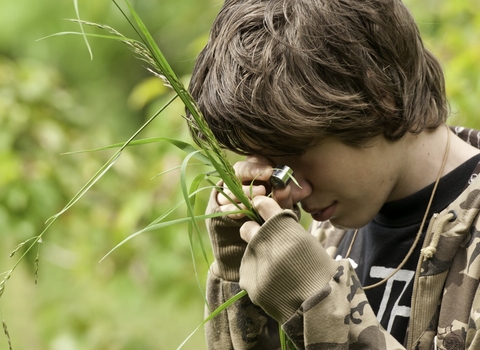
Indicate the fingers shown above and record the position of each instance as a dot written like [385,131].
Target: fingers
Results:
[249,230]
[259,169]
[232,208]
[253,169]
[254,173]
[227,199]
[266,208]
[283,196]
[250,191]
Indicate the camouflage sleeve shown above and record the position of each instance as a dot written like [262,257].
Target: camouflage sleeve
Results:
[338,317]
[290,279]
[318,300]
[227,245]
[328,236]
[242,325]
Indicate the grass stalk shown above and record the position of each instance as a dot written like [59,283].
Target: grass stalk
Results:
[7,334]
[214,314]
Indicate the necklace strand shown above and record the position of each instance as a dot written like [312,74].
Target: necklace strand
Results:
[419,233]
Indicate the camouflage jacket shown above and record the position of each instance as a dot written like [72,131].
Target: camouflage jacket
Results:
[293,280]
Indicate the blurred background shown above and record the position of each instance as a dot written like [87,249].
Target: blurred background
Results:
[54,99]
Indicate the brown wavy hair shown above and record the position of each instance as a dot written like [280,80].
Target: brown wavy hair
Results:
[278,76]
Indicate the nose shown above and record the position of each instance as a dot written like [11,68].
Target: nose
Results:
[300,191]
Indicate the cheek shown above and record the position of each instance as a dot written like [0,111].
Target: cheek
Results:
[332,181]
[353,213]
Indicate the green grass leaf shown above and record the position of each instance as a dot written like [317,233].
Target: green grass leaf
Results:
[194,188]
[77,12]
[184,146]
[214,314]
[161,225]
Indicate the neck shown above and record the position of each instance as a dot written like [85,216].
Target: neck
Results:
[422,157]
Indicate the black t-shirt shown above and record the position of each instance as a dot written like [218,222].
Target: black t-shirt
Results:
[381,245]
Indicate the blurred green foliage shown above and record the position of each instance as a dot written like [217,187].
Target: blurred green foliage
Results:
[54,99]
[451,30]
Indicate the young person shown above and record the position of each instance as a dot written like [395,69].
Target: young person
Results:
[345,94]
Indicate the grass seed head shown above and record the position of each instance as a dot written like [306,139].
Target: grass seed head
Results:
[5,330]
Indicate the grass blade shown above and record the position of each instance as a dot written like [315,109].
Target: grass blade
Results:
[77,12]
[192,198]
[170,223]
[152,46]
[184,146]
[101,36]
[98,175]
[108,165]
[215,313]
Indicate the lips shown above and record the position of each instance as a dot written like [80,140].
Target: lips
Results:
[324,214]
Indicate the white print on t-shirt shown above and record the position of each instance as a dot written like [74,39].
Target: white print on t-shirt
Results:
[397,310]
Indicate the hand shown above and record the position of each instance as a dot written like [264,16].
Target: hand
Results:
[266,207]
[254,173]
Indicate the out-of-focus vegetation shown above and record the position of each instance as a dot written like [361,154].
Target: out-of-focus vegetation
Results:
[451,30]
[53,99]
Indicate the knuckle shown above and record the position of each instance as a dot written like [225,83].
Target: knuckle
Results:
[261,201]
[248,230]
[238,169]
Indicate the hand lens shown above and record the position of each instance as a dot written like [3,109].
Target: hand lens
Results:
[281,176]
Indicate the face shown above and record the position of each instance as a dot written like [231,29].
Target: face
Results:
[344,184]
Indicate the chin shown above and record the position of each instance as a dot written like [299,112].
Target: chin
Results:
[348,224]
